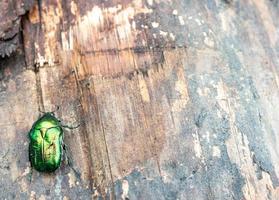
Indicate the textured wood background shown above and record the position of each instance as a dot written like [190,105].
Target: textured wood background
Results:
[177,99]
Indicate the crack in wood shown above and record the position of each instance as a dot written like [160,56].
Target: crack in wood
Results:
[39,3]
[86,135]
[85,138]
[96,109]
[136,50]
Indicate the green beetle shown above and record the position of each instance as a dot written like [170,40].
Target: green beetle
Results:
[46,143]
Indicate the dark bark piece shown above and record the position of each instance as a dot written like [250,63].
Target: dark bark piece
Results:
[10,24]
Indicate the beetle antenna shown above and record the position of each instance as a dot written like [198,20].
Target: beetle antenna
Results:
[54,111]
[42,111]
[82,122]
[77,174]
[70,127]
[29,176]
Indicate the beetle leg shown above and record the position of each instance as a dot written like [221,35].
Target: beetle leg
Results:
[30,174]
[53,112]
[70,127]
[73,127]
[41,112]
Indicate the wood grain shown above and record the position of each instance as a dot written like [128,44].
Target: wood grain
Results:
[176,99]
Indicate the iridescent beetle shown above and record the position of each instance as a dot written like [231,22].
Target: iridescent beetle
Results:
[46,143]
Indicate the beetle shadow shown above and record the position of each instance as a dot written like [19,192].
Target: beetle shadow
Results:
[68,162]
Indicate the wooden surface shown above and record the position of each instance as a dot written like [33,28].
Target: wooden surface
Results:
[10,24]
[176,99]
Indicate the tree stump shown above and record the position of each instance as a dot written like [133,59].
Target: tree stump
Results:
[176,99]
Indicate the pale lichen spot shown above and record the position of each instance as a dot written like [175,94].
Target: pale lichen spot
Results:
[66,198]
[95,194]
[199,91]
[133,24]
[163,33]
[71,180]
[197,146]
[209,42]
[203,91]
[32,195]
[125,189]
[144,26]
[65,41]
[143,42]
[181,20]
[198,21]
[174,12]
[206,136]
[150,2]
[165,177]
[155,24]
[219,114]
[39,60]
[42,197]
[216,152]
[172,36]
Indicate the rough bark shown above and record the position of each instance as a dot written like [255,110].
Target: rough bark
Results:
[176,99]
[11,12]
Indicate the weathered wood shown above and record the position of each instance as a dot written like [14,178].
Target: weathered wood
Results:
[176,99]
[10,15]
